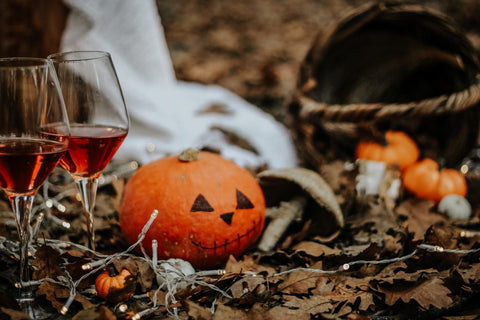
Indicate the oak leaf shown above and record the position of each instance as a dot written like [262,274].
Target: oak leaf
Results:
[419,216]
[428,293]
[57,295]
[314,305]
[47,263]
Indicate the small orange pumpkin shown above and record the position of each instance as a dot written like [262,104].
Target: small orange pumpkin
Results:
[208,208]
[115,287]
[427,181]
[399,149]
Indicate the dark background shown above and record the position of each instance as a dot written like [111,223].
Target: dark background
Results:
[253,47]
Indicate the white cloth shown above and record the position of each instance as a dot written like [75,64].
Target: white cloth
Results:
[166,114]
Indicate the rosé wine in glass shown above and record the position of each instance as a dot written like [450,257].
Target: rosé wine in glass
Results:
[98,118]
[31,104]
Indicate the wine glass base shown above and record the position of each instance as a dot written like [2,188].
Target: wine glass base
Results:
[32,308]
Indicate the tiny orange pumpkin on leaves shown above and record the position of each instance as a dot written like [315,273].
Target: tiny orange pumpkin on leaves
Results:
[426,180]
[115,287]
[208,208]
[399,149]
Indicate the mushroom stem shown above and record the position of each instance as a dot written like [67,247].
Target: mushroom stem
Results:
[281,218]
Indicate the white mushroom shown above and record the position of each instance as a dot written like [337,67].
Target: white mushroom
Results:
[295,194]
[455,207]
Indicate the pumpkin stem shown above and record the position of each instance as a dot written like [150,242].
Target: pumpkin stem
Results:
[112,272]
[189,155]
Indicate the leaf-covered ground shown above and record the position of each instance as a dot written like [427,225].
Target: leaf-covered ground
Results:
[398,261]
[255,48]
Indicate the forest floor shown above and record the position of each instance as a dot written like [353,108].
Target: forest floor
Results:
[391,260]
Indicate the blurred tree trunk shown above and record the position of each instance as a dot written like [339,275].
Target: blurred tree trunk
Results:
[31,28]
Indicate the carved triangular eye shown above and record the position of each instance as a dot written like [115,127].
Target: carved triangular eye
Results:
[243,202]
[201,204]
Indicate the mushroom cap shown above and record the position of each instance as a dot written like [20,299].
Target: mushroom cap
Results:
[322,206]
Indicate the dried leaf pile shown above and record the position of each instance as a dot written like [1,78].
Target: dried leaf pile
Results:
[391,261]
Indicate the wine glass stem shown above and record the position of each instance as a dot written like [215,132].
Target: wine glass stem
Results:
[88,191]
[22,206]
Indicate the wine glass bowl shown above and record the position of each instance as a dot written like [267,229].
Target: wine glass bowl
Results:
[98,118]
[34,135]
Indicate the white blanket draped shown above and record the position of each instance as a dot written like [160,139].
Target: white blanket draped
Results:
[168,116]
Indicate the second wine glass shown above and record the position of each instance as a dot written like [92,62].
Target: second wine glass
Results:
[98,118]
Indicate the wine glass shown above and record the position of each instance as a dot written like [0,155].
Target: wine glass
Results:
[34,135]
[98,118]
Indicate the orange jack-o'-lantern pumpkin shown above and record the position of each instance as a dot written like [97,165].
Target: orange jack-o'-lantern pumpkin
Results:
[208,208]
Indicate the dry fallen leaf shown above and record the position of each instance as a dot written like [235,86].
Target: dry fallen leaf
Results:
[96,312]
[315,249]
[471,275]
[195,311]
[428,293]
[6,313]
[418,216]
[300,282]
[246,285]
[247,263]
[47,263]
[57,295]
[316,304]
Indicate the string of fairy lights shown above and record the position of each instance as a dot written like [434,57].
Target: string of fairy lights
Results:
[171,277]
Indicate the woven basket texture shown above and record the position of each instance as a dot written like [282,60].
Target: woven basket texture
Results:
[387,66]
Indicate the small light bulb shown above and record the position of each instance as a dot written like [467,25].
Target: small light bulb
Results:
[67,305]
[91,265]
[137,316]
[123,308]
[49,203]
[151,147]
[134,165]
[64,310]
[66,225]
[61,207]
[87,266]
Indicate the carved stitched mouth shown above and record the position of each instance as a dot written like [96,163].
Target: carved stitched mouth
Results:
[227,242]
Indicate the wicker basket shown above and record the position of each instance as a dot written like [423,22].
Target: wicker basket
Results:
[387,66]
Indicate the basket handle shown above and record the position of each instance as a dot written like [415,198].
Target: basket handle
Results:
[455,102]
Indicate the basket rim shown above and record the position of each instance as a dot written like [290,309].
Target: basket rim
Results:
[368,12]
[354,112]
[451,102]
